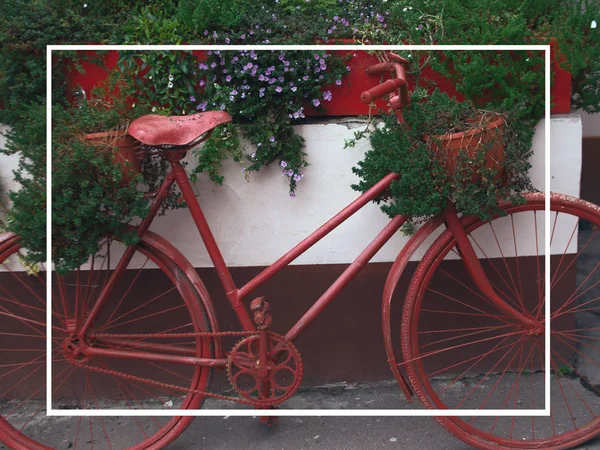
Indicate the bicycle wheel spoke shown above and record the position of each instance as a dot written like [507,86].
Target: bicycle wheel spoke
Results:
[497,272]
[473,291]
[116,308]
[152,300]
[514,286]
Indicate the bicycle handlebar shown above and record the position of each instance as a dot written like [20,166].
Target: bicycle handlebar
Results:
[395,65]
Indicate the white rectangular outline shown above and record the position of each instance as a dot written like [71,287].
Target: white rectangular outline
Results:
[294,412]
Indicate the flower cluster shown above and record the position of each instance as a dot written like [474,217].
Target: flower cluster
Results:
[267,92]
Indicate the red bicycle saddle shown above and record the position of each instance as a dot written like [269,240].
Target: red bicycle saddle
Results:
[154,129]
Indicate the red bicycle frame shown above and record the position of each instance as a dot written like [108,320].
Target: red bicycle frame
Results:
[236,295]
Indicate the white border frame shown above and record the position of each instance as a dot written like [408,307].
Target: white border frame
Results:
[293,412]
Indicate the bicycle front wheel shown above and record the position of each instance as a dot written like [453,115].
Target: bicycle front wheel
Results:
[152,297]
[461,352]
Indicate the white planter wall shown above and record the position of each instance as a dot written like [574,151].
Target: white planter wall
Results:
[256,222]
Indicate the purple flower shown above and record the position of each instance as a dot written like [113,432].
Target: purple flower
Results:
[380,18]
[348,68]
[213,65]
[234,92]
[294,88]
[202,66]
[280,79]
[272,139]
[297,177]
[327,95]
[202,106]
[338,82]
[228,78]
[305,77]
[316,102]
[283,164]
[202,83]
[261,92]
[222,107]
[317,56]
[205,32]
[243,36]
[227,41]
[420,27]
[281,56]
[278,89]
[290,173]
[286,63]
[329,31]
[192,98]
[291,193]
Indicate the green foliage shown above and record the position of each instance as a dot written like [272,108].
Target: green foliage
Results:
[91,198]
[204,13]
[25,30]
[565,371]
[431,175]
[517,22]
[27,216]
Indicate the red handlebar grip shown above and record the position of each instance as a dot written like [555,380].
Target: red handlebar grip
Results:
[379,91]
[380,68]
[399,59]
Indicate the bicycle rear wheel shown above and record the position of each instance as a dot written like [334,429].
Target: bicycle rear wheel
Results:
[153,298]
[460,352]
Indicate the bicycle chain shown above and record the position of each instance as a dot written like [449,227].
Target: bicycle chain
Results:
[127,376]
[177,335]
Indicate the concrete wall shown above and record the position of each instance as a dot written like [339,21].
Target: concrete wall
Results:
[256,221]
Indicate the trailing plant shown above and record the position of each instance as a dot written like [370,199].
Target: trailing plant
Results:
[429,176]
[266,93]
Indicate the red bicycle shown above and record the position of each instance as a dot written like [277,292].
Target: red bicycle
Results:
[117,343]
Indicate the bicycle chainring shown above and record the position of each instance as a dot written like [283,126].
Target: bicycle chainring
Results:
[270,384]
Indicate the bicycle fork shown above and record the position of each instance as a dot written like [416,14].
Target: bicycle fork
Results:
[478,275]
